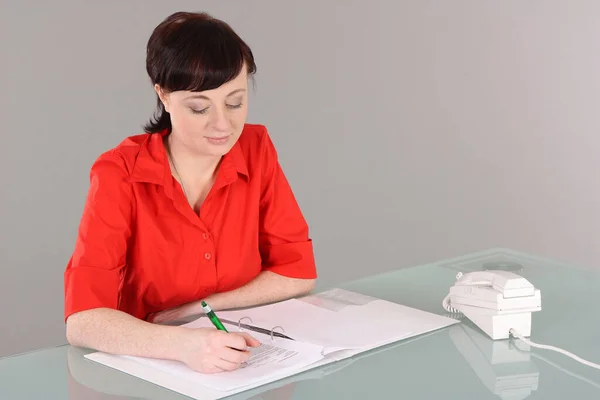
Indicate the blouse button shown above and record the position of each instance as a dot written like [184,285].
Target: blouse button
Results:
[207,256]
[205,235]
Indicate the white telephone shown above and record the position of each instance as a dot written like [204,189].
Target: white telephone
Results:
[496,301]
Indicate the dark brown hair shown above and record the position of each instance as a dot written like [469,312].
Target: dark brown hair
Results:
[196,52]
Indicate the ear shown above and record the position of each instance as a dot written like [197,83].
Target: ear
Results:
[164,97]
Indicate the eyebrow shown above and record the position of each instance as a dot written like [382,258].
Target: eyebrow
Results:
[201,96]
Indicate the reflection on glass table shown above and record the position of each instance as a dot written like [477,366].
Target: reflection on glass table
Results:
[503,366]
[460,362]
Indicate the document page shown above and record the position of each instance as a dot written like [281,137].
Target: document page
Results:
[325,328]
[274,359]
[338,319]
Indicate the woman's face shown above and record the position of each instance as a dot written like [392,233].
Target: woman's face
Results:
[208,122]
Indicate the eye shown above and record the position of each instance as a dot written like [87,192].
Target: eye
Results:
[234,106]
[203,111]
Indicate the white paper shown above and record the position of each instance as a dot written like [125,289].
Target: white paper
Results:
[272,360]
[347,325]
[329,364]
[337,299]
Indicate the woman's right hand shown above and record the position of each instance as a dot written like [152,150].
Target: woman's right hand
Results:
[208,350]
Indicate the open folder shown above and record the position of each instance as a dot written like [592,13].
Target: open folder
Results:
[296,335]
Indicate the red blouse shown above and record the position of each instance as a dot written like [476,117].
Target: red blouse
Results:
[141,248]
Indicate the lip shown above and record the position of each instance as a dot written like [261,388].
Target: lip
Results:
[217,140]
[216,137]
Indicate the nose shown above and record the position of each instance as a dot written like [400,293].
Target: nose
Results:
[219,120]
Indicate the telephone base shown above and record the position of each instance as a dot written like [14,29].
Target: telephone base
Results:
[498,325]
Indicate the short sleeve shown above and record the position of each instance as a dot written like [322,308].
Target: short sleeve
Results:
[285,245]
[94,274]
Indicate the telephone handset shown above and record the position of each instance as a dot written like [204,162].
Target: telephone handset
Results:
[496,301]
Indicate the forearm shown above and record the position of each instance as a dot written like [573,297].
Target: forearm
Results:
[116,332]
[267,287]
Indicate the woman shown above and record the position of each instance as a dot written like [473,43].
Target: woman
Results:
[196,208]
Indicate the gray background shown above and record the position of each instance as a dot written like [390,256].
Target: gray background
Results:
[411,131]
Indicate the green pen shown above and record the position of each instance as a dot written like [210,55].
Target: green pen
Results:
[212,316]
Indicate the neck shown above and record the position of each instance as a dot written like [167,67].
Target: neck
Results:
[189,163]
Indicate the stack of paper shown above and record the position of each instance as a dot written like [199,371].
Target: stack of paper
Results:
[324,328]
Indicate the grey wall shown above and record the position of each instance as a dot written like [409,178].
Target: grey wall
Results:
[411,131]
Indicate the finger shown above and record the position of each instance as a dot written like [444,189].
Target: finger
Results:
[157,318]
[209,369]
[226,364]
[214,364]
[235,340]
[250,341]
[233,356]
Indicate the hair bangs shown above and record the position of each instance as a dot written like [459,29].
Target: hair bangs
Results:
[205,58]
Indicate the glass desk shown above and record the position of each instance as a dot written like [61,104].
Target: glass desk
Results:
[457,362]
